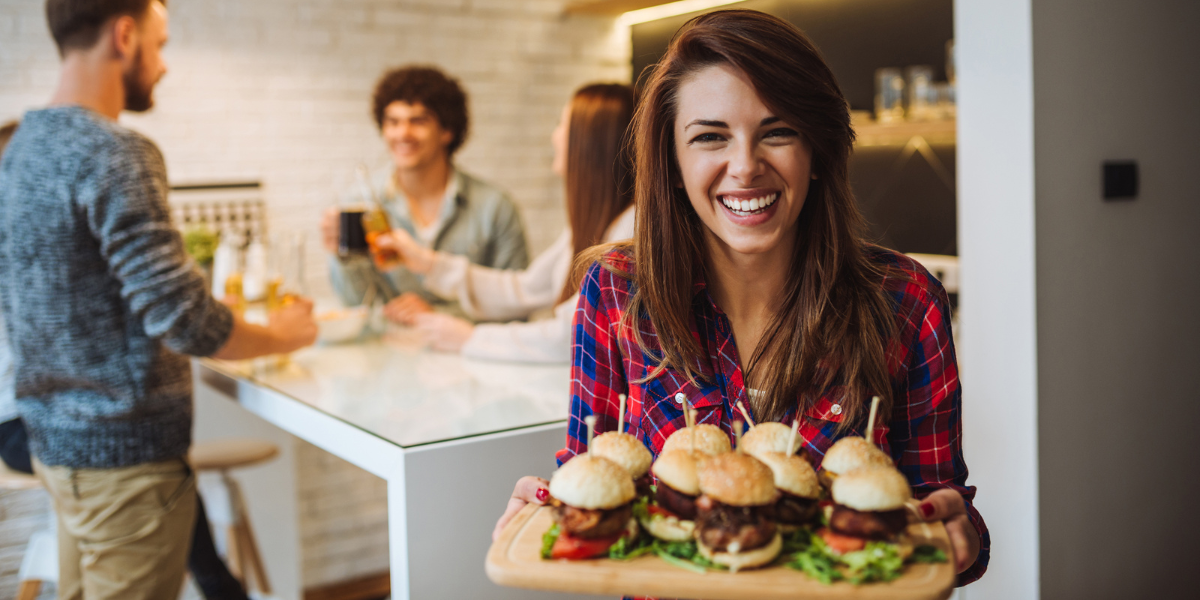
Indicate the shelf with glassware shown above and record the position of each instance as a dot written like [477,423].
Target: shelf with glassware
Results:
[871,132]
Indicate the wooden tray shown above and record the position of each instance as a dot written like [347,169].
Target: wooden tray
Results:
[514,560]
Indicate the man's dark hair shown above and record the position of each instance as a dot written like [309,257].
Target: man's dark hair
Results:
[76,24]
[430,87]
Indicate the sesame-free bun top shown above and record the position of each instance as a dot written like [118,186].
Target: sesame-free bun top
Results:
[792,474]
[680,470]
[623,449]
[872,488]
[769,437]
[850,453]
[737,479]
[709,440]
[592,482]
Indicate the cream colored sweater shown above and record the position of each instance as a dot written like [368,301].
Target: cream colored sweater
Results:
[505,295]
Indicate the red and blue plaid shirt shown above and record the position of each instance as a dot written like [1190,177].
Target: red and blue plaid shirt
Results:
[924,435]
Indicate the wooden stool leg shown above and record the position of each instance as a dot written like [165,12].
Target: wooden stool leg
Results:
[249,559]
[256,564]
[233,554]
[29,589]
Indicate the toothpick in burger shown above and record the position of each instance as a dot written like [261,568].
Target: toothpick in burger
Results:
[733,527]
[869,505]
[592,506]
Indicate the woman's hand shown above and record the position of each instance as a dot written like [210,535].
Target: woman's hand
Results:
[444,332]
[528,489]
[405,308]
[947,506]
[414,256]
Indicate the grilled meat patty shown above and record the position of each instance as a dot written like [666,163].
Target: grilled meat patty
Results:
[585,523]
[642,485]
[720,525]
[676,501]
[871,525]
[793,510]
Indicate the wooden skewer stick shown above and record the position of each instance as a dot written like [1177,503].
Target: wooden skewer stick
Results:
[737,434]
[689,420]
[792,436]
[745,413]
[591,425]
[871,419]
[621,415]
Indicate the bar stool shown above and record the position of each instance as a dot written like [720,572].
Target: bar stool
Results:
[40,562]
[242,549]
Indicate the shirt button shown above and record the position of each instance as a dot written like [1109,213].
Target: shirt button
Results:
[680,398]
[836,409]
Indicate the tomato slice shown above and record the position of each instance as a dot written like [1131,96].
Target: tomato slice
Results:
[841,543]
[654,509]
[573,548]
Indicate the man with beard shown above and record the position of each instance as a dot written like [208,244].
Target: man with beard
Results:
[102,306]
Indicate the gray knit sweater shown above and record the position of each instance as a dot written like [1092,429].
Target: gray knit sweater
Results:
[101,302]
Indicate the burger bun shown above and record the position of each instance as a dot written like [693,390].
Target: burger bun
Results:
[737,479]
[744,560]
[769,437]
[850,453]
[792,474]
[679,469]
[623,449]
[593,483]
[872,489]
[709,440]
[671,529]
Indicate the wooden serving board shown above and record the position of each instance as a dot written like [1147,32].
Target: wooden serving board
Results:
[514,560]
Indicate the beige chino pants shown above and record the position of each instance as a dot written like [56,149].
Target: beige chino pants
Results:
[122,533]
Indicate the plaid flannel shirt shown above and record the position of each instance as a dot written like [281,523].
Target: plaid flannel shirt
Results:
[924,435]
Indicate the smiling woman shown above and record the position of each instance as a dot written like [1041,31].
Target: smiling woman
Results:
[749,280]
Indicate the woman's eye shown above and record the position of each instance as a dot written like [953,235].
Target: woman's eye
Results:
[706,137]
[781,132]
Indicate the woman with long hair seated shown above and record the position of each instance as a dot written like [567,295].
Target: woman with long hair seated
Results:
[589,155]
[749,278]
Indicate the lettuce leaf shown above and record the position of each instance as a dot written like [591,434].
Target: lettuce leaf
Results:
[548,540]
[812,556]
[626,549]
[878,561]
[927,554]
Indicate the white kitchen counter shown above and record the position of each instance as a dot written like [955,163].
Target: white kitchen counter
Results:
[450,436]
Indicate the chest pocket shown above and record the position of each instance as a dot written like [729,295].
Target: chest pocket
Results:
[663,413]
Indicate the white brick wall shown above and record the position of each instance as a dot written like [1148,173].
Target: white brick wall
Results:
[278,91]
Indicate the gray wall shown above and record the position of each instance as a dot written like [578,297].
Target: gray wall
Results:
[1117,290]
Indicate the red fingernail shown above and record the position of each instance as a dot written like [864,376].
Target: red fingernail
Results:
[927,509]
[542,494]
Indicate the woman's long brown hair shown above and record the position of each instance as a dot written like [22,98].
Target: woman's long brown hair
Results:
[599,173]
[834,323]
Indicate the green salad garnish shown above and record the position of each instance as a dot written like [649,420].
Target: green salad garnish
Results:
[548,540]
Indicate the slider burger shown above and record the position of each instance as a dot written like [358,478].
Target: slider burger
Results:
[591,499]
[869,506]
[627,451]
[672,515]
[732,524]
[848,454]
[799,490]
[769,437]
[709,440]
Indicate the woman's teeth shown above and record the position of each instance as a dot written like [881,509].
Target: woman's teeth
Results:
[751,206]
